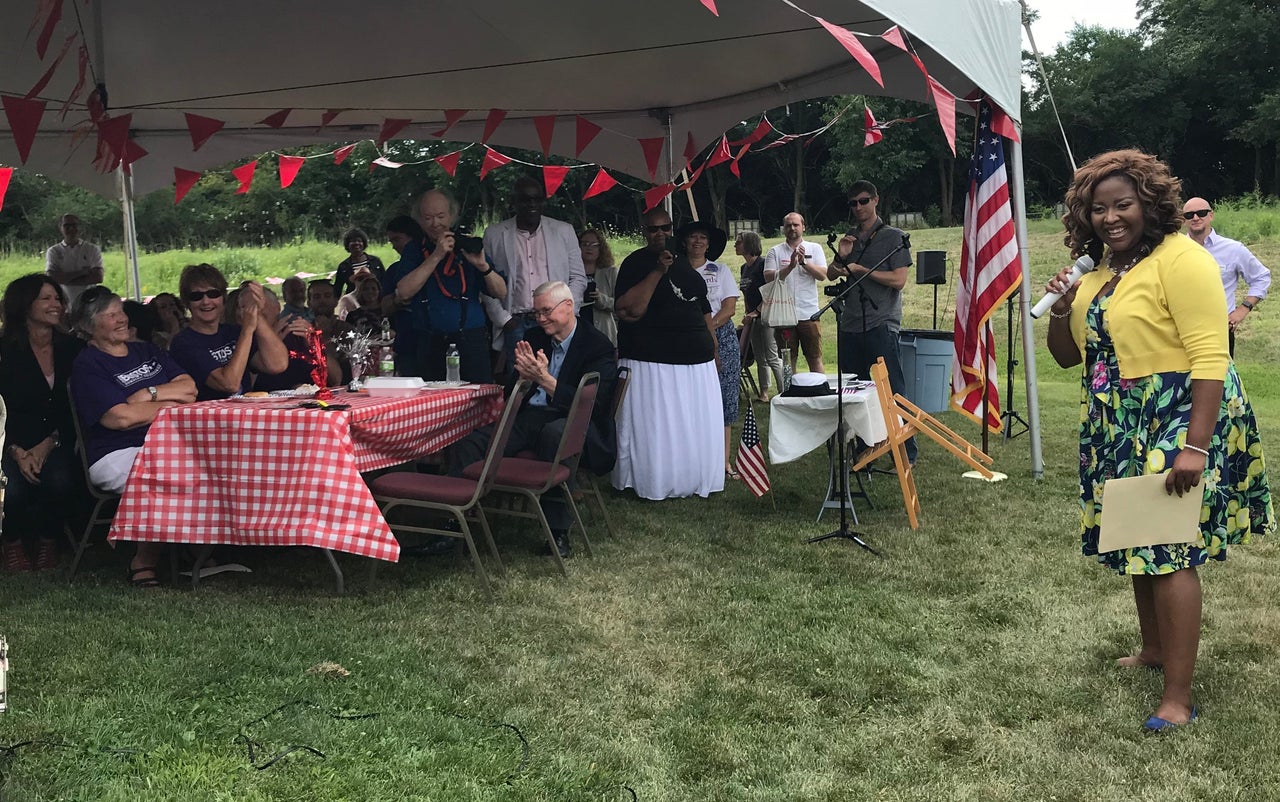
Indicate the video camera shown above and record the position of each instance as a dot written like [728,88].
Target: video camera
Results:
[466,243]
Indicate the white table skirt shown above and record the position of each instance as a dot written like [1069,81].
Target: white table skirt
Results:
[799,425]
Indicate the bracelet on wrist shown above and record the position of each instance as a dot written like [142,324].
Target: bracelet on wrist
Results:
[1197,449]
[1057,316]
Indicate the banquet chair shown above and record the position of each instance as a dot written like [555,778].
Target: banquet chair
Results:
[531,479]
[457,496]
[589,484]
[104,503]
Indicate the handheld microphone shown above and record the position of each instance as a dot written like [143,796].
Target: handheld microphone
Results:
[1083,265]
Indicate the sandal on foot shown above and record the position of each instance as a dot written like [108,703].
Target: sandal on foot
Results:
[731,474]
[1155,724]
[137,581]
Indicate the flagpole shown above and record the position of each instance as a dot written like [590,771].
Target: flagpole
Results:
[986,387]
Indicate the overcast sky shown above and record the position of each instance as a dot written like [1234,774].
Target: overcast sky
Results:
[1058,17]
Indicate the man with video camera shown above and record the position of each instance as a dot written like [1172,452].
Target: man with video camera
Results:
[872,313]
[441,280]
[530,249]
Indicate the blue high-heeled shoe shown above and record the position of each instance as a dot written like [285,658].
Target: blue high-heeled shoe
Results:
[1157,724]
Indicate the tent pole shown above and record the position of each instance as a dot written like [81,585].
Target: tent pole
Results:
[133,276]
[1024,305]
[671,165]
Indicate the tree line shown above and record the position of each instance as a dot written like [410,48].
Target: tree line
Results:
[1194,84]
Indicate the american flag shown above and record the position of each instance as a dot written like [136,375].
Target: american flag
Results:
[990,271]
[751,457]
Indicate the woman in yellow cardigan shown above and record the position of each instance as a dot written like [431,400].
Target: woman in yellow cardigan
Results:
[1159,396]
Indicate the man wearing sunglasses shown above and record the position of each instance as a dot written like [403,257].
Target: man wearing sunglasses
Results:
[1235,262]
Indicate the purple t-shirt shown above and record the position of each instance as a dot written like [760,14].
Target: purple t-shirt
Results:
[202,354]
[99,381]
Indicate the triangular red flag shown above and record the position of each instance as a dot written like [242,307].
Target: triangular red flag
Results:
[48,74]
[275,120]
[785,139]
[546,126]
[873,134]
[762,130]
[711,6]
[340,155]
[81,66]
[451,117]
[552,177]
[894,37]
[733,168]
[652,152]
[690,150]
[850,43]
[946,104]
[132,152]
[693,179]
[51,12]
[1003,125]
[586,131]
[183,181]
[391,127]
[6,173]
[330,115]
[449,162]
[289,167]
[721,154]
[201,129]
[603,182]
[492,160]
[654,196]
[244,174]
[113,140]
[491,123]
[24,120]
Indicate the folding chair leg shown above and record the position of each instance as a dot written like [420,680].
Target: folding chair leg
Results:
[531,500]
[488,537]
[595,493]
[340,584]
[573,507]
[475,555]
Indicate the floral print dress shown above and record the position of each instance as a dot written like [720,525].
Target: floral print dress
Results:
[1132,427]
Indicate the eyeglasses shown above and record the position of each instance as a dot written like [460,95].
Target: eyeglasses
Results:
[541,313]
[859,201]
[656,229]
[1197,213]
[192,297]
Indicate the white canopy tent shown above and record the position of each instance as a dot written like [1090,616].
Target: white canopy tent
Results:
[665,68]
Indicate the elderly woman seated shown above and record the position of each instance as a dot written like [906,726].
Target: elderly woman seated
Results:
[119,386]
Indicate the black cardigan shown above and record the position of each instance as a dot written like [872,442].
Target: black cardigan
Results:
[34,409]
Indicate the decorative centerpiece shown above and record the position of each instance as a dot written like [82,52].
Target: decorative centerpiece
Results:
[357,347]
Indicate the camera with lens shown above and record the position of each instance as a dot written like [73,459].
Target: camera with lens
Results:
[466,243]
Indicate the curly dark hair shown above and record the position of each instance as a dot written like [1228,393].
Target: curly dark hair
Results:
[1158,190]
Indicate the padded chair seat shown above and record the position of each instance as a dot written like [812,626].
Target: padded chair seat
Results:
[517,472]
[424,487]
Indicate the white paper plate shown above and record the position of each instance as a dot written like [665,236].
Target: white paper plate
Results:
[447,386]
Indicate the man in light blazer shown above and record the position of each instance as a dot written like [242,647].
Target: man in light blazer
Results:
[530,250]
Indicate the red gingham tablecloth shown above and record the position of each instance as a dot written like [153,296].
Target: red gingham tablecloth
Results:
[271,474]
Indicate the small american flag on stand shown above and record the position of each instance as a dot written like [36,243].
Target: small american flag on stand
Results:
[751,457]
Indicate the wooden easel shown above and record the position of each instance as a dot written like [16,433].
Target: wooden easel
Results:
[903,420]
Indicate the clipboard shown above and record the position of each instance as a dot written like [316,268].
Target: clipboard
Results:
[1137,512]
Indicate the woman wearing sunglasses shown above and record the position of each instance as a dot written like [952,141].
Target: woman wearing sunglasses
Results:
[220,355]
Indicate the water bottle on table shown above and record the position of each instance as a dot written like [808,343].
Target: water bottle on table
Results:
[453,365]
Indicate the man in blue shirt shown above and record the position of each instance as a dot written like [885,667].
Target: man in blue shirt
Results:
[1235,262]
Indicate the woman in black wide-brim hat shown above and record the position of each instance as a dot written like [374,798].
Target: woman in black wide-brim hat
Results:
[703,243]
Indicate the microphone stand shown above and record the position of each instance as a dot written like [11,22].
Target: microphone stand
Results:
[837,302]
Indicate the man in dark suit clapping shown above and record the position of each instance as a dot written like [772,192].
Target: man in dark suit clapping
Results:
[555,357]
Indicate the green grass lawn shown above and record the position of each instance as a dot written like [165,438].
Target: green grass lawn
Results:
[705,654]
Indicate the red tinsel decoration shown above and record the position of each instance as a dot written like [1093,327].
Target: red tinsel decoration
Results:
[319,364]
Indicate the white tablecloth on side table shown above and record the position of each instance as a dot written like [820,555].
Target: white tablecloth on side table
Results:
[799,425]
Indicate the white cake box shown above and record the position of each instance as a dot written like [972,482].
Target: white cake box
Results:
[394,385]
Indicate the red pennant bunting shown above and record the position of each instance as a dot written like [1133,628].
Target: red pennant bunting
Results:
[81,66]
[183,181]
[491,123]
[873,134]
[1003,125]
[492,160]
[289,167]
[761,131]
[546,126]
[894,37]
[603,182]
[6,173]
[654,196]
[850,43]
[553,177]
[390,127]
[330,115]
[340,155]
[690,150]
[920,65]
[721,154]
[275,120]
[782,140]
[711,6]
[201,129]
[586,131]
[113,142]
[383,161]
[449,162]
[693,179]
[733,168]
[946,103]
[50,11]
[48,74]
[244,174]
[652,152]
[24,120]
[132,152]
[451,117]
